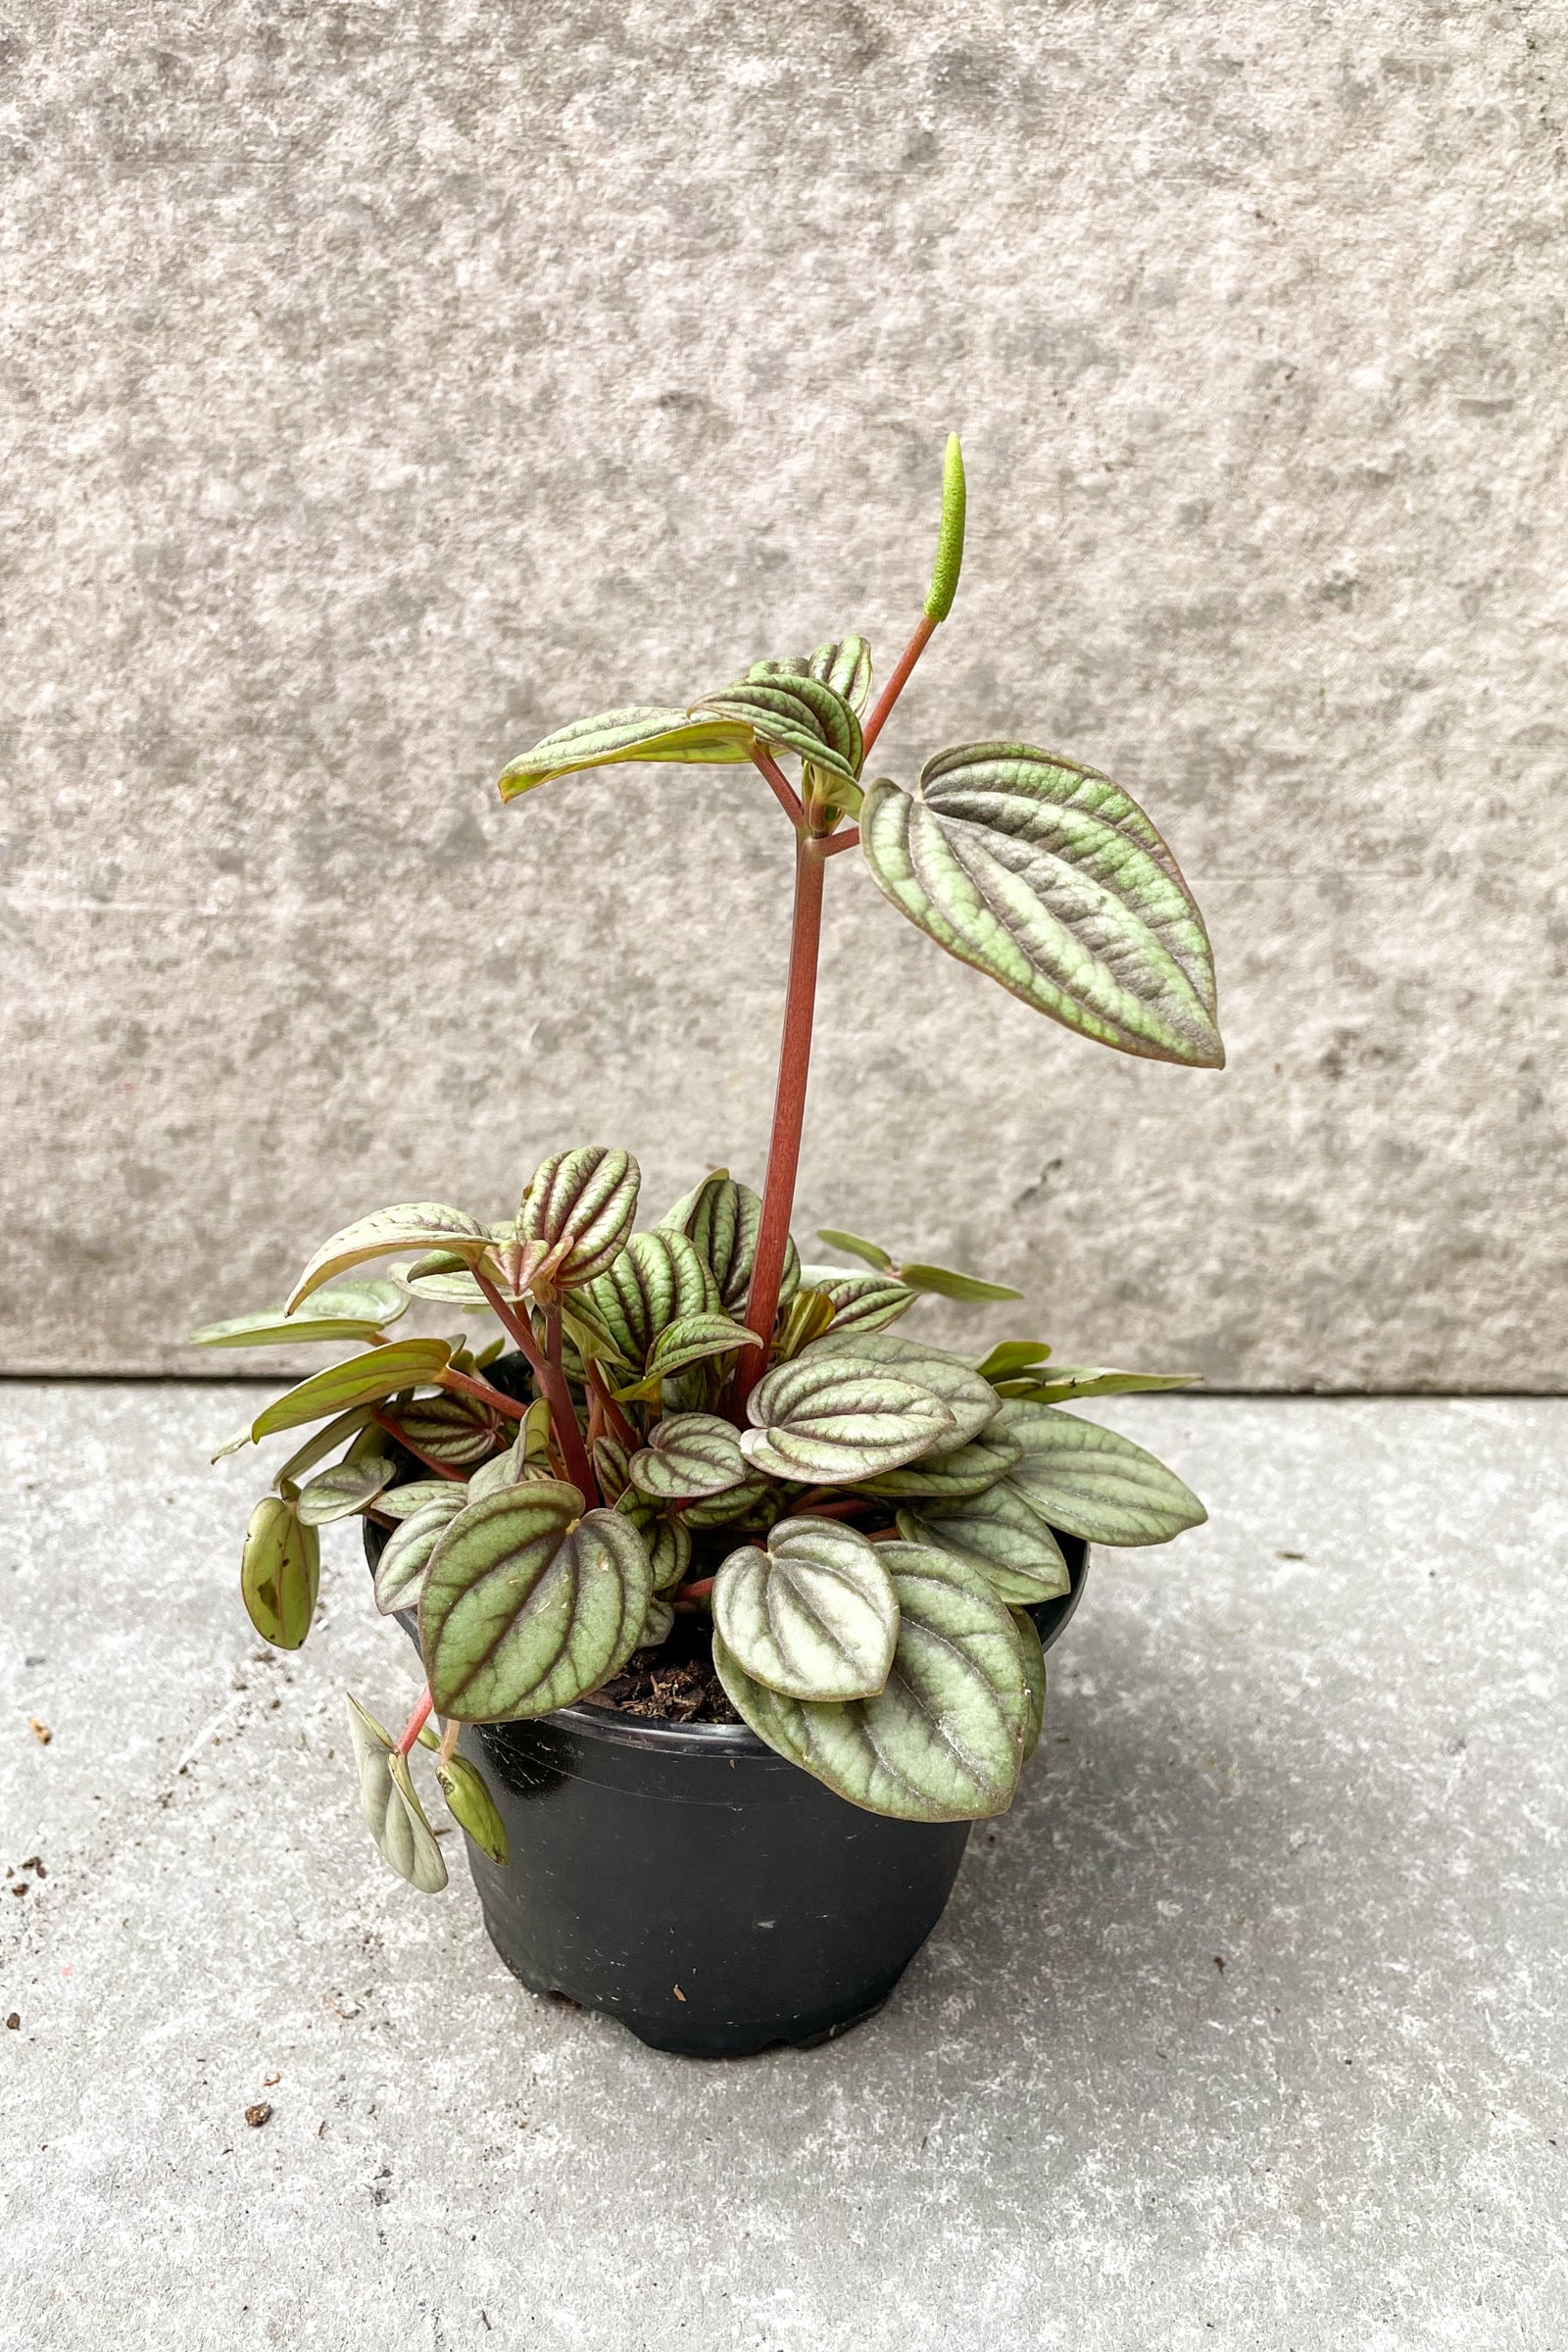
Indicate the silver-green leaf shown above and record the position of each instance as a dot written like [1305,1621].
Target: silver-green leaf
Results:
[692,1340]
[401,1570]
[1044,875]
[411,1225]
[947,1476]
[830,1420]
[690,1454]
[1033,1660]
[344,1311]
[813,1614]
[363,1380]
[942,1739]
[1000,1534]
[861,1302]
[345,1489]
[720,1218]
[792,713]
[574,1219]
[393,1813]
[969,1400]
[1093,1482]
[1063,1383]
[400,1502]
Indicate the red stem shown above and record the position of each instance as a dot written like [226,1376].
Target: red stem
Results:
[899,680]
[441,1469]
[789,1116]
[460,1381]
[415,1724]
[768,766]
[553,1384]
[611,1409]
[843,840]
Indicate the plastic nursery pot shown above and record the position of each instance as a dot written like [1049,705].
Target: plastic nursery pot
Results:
[687,1880]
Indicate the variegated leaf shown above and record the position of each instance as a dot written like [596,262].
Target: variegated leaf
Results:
[668,1541]
[813,1614]
[968,1398]
[453,1429]
[280,1573]
[393,1813]
[942,1739]
[1045,876]
[720,1216]
[473,1806]
[361,1380]
[947,1477]
[348,1310]
[574,1219]
[861,1302]
[528,1603]
[413,1225]
[401,1570]
[1063,1383]
[347,1487]
[691,1340]
[1032,1657]
[657,1625]
[758,1503]
[832,1419]
[400,1502]
[998,1532]
[644,731]
[658,1279]
[690,1454]
[611,1463]
[792,715]
[844,665]
[1095,1482]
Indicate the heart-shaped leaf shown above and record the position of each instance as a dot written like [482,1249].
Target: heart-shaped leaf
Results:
[338,1492]
[413,1225]
[692,1340]
[861,1302]
[528,1603]
[792,714]
[1033,1660]
[1095,1482]
[457,1430]
[999,1534]
[814,1615]
[942,1739]
[393,1813]
[969,1470]
[346,1310]
[363,1380]
[1063,1383]
[667,1542]
[758,1502]
[720,1218]
[659,1279]
[1011,1359]
[968,1398]
[574,1219]
[400,1502]
[280,1573]
[690,1454]
[829,1420]
[401,1570]
[473,1806]
[1045,876]
[643,731]
[943,1283]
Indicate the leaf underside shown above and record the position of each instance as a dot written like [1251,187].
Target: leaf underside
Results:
[641,731]
[411,1225]
[393,1813]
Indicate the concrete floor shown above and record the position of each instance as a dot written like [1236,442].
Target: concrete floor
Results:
[1321,1742]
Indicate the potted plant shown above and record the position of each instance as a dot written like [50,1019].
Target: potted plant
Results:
[728,1594]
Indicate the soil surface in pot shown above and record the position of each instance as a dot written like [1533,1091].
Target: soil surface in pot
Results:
[672,1684]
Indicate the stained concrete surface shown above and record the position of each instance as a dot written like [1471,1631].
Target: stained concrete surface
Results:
[384,385]
[1319,1741]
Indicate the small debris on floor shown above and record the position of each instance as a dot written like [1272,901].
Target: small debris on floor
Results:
[14,2023]
[1219,1963]
[268,2081]
[259,2115]
[40,1731]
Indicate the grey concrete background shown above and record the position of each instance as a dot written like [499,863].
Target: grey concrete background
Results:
[385,385]
[1319,1739]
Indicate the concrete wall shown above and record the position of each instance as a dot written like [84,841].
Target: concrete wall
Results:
[388,384]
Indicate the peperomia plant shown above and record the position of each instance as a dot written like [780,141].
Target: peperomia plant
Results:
[683,1422]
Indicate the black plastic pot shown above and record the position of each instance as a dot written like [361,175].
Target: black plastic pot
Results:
[687,1880]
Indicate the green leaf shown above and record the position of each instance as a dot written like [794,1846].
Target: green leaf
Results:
[657,1625]
[667,1542]
[830,1420]
[280,1573]
[1065,1383]
[443,1276]
[338,1492]
[944,1284]
[473,1806]
[872,1251]
[809,1315]
[355,1424]
[971,1402]
[720,1218]
[1033,1660]
[758,1501]
[692,1340]
[527,1457]
[361,1380]
[941,1741]
[859,1301]
[528,1603]
[814,1615]
[998,1532]
[792,714]
[969,1470]
[401,1570]
[659,1279]
[1094,1482]
[413,1225]
[400,1502]
[612,1467]
[950,537]
[690,1454]
[457,1430]
[347,1311]
[844,665]
[574,1219]
[644,731]
[393,1813]
[1010,1358]
[1050,879]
